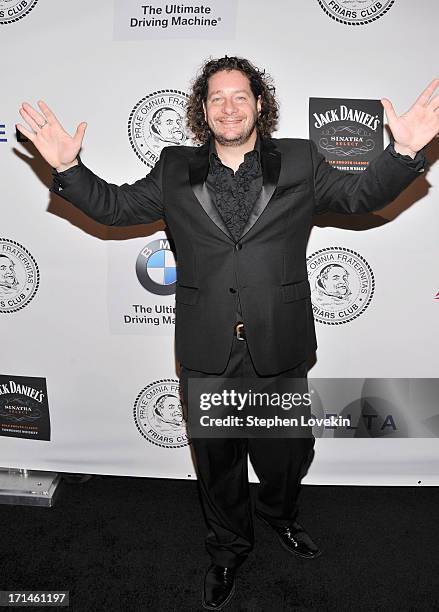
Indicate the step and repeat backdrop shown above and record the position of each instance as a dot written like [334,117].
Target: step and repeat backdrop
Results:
[88,378]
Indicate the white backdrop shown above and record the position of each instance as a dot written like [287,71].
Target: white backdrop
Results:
[73,56]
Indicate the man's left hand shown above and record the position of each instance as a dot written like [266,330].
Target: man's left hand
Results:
[420,124]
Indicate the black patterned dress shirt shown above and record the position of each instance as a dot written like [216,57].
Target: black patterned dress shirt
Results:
[235,193]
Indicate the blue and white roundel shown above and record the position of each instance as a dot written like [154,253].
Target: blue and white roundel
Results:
[160,267]
[156,269]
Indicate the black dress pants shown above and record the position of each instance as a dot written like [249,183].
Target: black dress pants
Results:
[221,465]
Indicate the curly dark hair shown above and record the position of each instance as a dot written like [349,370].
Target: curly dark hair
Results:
[260,84]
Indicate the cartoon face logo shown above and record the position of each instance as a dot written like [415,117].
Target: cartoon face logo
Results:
[342,285]
[167,126]
[168,411]
[158,414]
[19,276]
[157,121]
[332,281]
[8,279]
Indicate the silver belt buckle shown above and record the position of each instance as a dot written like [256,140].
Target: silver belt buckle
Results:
[239,331]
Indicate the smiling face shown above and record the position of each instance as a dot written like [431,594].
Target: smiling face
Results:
[231,110]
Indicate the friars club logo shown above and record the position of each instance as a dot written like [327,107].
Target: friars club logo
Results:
[19,276]
[156,269]
[13,10]
[355,12]
[158,414]
[157,121]
[342,285]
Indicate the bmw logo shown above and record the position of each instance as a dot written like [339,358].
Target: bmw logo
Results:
[156,269]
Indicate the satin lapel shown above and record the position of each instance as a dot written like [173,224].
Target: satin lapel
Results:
[198,169]
[270,160]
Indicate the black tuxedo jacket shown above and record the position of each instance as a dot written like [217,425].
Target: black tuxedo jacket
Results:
[266,268]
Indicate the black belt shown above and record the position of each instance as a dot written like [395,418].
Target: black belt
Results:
[239,331]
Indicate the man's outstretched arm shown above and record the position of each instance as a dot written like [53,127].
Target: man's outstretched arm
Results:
[109,204]
[388,174]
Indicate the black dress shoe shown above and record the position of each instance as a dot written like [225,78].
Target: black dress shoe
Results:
[295,539]
[219,587]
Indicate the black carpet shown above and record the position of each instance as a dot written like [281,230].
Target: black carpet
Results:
[132,544]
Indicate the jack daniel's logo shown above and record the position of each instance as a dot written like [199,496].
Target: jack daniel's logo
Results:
[343,113]
[14,387]
[349,132]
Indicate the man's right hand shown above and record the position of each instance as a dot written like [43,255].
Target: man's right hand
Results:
[57,147]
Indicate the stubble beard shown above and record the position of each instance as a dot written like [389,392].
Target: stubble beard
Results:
[239,139]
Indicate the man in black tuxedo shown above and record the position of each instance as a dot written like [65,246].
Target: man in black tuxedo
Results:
[240,209]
